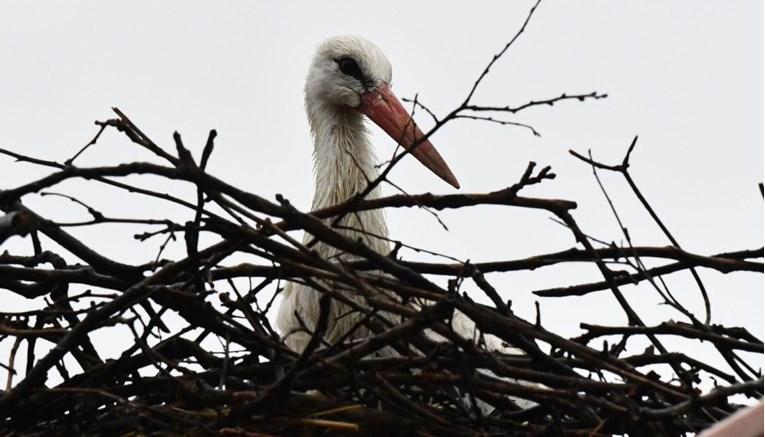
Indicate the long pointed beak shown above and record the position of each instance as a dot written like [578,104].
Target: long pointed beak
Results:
[384,108]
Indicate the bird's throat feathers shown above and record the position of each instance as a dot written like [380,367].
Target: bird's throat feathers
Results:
[343,157]
[345,163]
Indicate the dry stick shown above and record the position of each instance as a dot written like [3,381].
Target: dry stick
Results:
[564,398]
[78,275]
[59,295]
[632,316]
[417,323]
[317,336]
[545,102]
[126,187]
[407,405]
[499,122]
[92,142]
[641,269]
[11,361]
[639,266]
[134,133]
[500,53]
[653,358]
[507,197]
[491,292]
[134,294]
[99,262]
[398,245]
[492,323]
[723,262]
[670,328]
[707,399]
[175,348]
[256,320]
[623,279]
[623,169]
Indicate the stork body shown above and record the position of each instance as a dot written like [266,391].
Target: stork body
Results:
[349,79]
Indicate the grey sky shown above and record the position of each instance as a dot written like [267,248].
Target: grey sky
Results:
[684,75]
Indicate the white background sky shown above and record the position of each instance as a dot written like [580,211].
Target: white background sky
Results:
[684,75]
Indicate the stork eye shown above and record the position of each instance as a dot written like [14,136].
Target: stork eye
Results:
[349,67]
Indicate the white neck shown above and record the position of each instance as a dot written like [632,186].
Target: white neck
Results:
[344,164]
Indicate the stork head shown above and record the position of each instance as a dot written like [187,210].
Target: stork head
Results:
[349,73]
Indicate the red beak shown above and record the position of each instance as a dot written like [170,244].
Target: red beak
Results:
[384,108]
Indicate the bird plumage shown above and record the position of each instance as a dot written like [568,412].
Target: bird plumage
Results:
[349,77]
[344,162]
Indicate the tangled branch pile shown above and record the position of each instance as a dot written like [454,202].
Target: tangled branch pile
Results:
[166,382]
[169,380]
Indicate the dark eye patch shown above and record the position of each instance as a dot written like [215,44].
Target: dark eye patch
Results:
[349,67]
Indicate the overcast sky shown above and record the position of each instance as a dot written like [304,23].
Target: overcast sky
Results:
[684,75]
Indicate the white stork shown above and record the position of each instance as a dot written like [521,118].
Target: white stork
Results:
[349,78]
